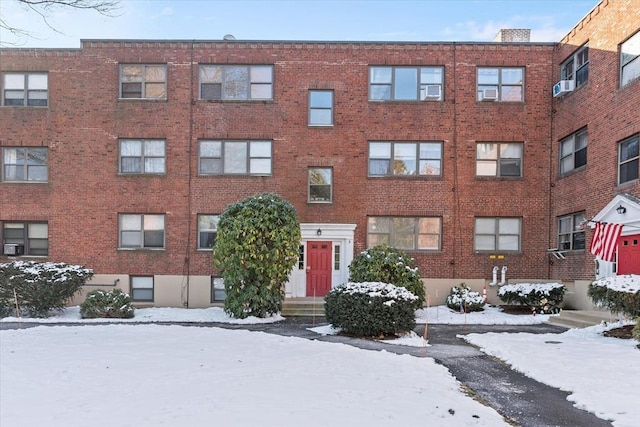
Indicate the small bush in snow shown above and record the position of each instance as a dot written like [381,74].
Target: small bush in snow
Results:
[371,309]
[463,296]
[107,304]
[39,288]
[386,264]
[620,294]
[541,297]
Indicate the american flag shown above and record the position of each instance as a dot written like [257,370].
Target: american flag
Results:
[605,240]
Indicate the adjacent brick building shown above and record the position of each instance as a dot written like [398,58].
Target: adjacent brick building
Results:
[120,155]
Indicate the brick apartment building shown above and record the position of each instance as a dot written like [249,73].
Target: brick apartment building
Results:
[120,155]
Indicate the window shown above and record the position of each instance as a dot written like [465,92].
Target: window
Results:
[571,232]
[320,108]
[628,160]
[405,159]
[499,159]
[320,185]
[573,151]
[235,158]
[301,257]
[207,231]
[406,83]
[336,257]
[404,233]
[142,288]
[501,84]
[217,289]
[25,164]
[630,59]
[34,236]
[25,90]
[576,67]
[141,231]
[497,234]
[140,81]
[236,82]
[142,156]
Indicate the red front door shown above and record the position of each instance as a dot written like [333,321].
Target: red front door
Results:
[318,268]
[629,254]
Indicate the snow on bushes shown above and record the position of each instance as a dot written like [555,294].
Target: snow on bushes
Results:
[463,299]
[107,304]
[541,297]
[371,309]
[620,294]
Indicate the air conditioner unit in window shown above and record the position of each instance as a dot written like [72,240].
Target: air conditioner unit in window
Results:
[12,249]
[490,94]
[562,87]
[432,92]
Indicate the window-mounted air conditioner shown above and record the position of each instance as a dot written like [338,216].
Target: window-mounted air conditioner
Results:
[12,249]
[490,94]
[432,92]
[562,87]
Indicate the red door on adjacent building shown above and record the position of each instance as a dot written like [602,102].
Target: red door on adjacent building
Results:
[318,268]
[629,254]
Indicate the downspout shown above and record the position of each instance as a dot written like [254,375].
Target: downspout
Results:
[551,169]
[456,193]
[187,258]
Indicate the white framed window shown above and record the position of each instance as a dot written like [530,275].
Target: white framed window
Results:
[141,231]
[406,83]
[207,231]
[571,232]
[236,82]
[500,84]
[320,108]
[573,151]
[407,233]
[143,81]
[25,89]
[499,159]
[576,66]
[405,158]
[142,288]
[235,158]
[25,164]
[32,236]
[320,185]
[218,293]
[628,156]
[337,257]
[630,59]
[497,234]
[142,156]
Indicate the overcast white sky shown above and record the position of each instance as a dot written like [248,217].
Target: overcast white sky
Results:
[335,20]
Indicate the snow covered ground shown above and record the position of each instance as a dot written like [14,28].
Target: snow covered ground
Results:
[151,375]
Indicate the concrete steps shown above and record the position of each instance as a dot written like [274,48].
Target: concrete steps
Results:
[581,318]
[303,307]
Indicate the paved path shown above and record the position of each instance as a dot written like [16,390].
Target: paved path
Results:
[521,400]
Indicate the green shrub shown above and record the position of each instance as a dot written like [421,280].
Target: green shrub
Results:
[39,288]
[636,330]
[257,245]
[541,297]
[386,264]
[462,295]
[620,294]
[107,304]
[371,309]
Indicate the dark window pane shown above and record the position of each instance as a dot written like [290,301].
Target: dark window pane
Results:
[510,167]
[207,239]
[629,171]
[154,239]
[211,91]
[581,158]
[379,167]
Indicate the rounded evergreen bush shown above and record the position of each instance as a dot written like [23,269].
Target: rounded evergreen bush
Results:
[541,297]
[371,309]
[620,294]
[107,304]
[462,298]
[383,263]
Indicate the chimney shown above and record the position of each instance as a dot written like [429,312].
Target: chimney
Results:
[513,35]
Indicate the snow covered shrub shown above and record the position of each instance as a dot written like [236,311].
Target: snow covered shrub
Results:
[620,294]
[636,330]
[107,304]
[462,295]
[541,297]
[39,288]
[371,309]
[386,264]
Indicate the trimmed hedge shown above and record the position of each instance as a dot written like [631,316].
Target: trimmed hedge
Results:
[462,295]
[371,309]
[107,304]
[620,294]
[39,288]
[541,297]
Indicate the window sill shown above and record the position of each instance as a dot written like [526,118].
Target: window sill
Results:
[37,107]
[499,178]
[320,202]
[143,99]
[408,177]
[143,249]
[572,172]
[627,184]
[250,101]
[142,174]
[204,250]
[405,101]
[321,126]
[24,182]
